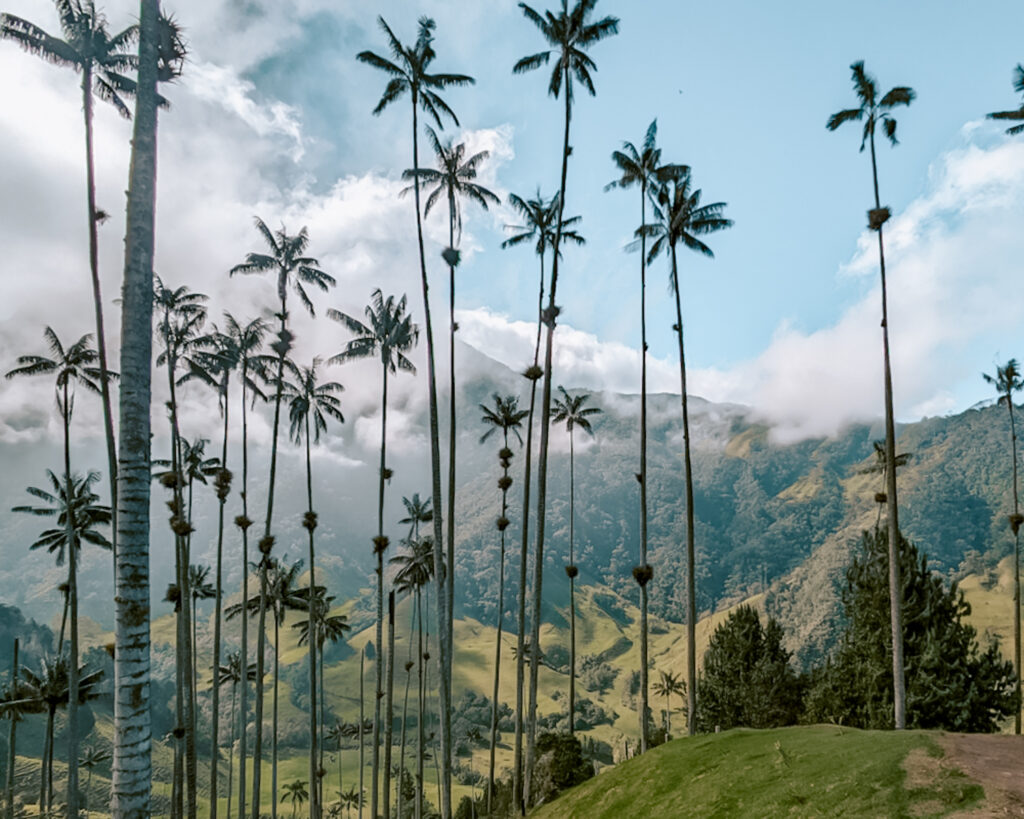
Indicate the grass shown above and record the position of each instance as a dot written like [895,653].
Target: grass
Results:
[801,771]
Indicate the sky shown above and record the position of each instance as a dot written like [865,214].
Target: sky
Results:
[272,117]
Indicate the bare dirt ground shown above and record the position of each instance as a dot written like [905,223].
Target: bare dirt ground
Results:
[996,762]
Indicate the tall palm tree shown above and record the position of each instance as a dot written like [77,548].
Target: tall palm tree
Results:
[231,673]
[874,110]
[879,468]
[679,217]
[296,792]
[351,799]
[14,691]
[452,179]
[388,334]
[408,72]
[92,755]
[569,33]
[540,222]
[1018,114]
[1007,381]
[667,686]
[506,417]
[161,57]
[309,400]
[642,168]
[200,588]
[292,268]
[70,367]
[572,411]
[104,63]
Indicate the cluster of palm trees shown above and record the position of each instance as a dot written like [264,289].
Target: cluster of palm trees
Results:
[672,214]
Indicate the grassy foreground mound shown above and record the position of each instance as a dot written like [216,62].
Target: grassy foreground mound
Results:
[804,771]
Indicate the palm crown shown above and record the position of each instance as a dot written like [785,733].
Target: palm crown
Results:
[72,366]
[408,72]
[309,399]
[417,511]
[1007,380]
[540,221]
[1018,114]
[872,110]
[643,167]
[504,415]
[572,411]
[390,333]
[569,33]
[86,513]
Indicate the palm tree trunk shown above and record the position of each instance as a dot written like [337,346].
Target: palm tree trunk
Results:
[46,782]
[542,464]
[1016,566]
[443,599]
[405,713]
[895,589]
[420,734]
[273,747]
[314,765]
[231,744]
[379,549]
[572,584]
[362,765]
[243,700]
[691,584]
[261,640]
[215,705]
[389,711]
[12,738]
[517,762]
[97,299]
[451,419]
[322,777]
[72,548]
[132,764]
[643,463]
[497,651]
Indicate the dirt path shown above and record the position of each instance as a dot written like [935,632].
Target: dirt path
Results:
[996,762]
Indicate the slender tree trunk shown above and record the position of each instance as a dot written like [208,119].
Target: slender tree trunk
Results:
[443,600]
[231,744]
[1016,566]
[451,421]
[497,647]
[389,710]
[643,467]
[362,718]
[895,589]
[46,782]
[517,762]
[314,764]
[12,738]
[542,463]
[691,583]
[218,592]
[132,764]
[261,639]
[420,734]
[405,713]
[572,584]
[273,747]
[243,700]
[378,645]
[72,549]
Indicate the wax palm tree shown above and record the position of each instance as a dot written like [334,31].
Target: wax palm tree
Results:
[540,222]
[296,792]
[875,110]
[105,64]
[572,411]
[292,268]
[506,417]
[161,57]
[91,756]
[453,180]
[200,588]
[679,217]
[408,72]
[879,468]
[15,701]
[1007,381]
[388,334]
[351,798]
[310,404]
[1018,114]
[70,367]
[570,33]
[667,686]
[231,674]
[281,597]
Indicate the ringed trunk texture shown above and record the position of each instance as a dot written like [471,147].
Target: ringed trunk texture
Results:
[379,640]
[1016,567]
[314,759]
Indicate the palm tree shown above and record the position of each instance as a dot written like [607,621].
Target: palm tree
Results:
[453,178]
[1018,114]
[679,217]
[408,72]
[297,793]
[389,334]
[92,756]
[103,61]
[14,691]
[1007,381]
[540,221]
[71,367]
[232,673]
[669,684]
[161,57]
[507,417]
[200,588]
[362,725]
[571,411]
[874,110]
[879,468]
[569,33]
[309,399]
[351,799]
[288,263]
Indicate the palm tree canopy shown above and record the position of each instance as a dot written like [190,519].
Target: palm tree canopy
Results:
[197,467]
[452,178]
[873,108]
[570,34]
[307,398]
[296,791]
[231,672]
[408,72]
[328,626]
[540,222]
[643,167]
[417,511]
[86,513]
[49,687]
[1007,380]
[669,684]
[288,260]
[199,582]
[572,411]
[1018,114]
[390,333]
[221,352]
[878,467]
[415,565]
[182,315]
[504,415]
[87,45]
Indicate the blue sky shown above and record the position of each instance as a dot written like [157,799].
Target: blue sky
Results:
[273,117]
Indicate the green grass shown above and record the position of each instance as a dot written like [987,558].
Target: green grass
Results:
[802,771]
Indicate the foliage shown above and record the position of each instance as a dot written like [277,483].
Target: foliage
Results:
[951,683]
[560,765]
[597,675]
